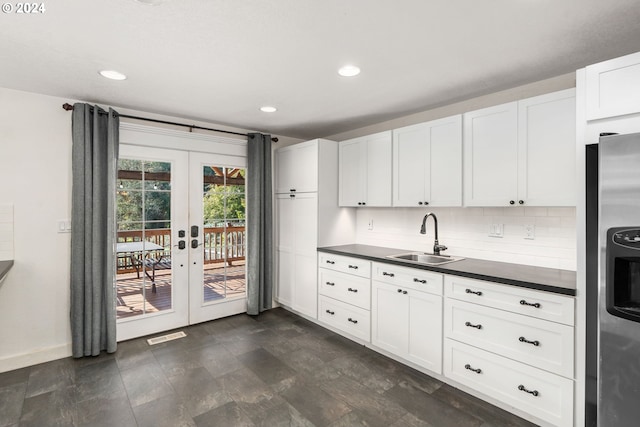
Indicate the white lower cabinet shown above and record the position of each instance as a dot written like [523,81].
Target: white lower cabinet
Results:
[406,317]
[346,317]
[511,345]
[540,343]
[344,300]
[535,391]
[498,342]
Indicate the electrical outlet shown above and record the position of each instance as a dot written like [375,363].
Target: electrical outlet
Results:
[496,230]
[530,231]
[370,225]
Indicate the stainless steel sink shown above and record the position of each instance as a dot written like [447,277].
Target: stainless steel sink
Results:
[425,258]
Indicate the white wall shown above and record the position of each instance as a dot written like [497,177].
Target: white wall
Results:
[35,171]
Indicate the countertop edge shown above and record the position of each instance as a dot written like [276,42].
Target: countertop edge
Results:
[469,274]
[5,266]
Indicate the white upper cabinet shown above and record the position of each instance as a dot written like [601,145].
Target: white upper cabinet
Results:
[365,171]
[521,153]
[547,149]
[296,168]
[491,156]
[427,163]
[612,87]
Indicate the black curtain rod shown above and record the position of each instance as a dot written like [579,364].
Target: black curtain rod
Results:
[68,107]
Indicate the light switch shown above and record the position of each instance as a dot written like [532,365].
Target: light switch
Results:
[496,230]
[64,226]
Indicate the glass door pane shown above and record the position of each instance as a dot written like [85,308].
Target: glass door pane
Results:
[223,213]
[143,262]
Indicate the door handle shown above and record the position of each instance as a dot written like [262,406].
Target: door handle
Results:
[194,231]
[194,244]
[182,244]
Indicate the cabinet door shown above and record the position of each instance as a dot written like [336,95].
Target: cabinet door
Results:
[425,330]
[410,165]
[285,246]
[612,87]
[390,317]
[297,168]
[491,156]
[378,169]
[351,172]
[305,263]
[444,179]
[547,150]
[284,170]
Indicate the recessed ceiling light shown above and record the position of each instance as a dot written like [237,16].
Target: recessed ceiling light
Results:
[349,71]
[113,75]
[268,109]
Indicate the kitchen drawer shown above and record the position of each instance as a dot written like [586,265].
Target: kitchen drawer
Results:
[539,304]
[355,266]
[539,393]
[345,287]
[347,318]
[406,277]
[540,343]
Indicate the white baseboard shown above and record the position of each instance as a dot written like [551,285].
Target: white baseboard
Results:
[35,357]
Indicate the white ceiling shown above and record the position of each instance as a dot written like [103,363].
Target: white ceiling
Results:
[220,60]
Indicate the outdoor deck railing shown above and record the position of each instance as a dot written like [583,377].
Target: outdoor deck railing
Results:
[220,244]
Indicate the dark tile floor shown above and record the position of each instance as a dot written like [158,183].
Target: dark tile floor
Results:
[272,370]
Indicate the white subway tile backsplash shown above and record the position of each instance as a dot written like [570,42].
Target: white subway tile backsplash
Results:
[535,211]
[562,212]
[465,232]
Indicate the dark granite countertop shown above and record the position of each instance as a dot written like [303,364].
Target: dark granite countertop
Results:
[5,266]
[526,276]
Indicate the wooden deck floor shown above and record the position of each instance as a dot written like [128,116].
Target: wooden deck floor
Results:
[135,296]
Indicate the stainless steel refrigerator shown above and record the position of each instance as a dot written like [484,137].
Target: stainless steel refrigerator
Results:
[613,281]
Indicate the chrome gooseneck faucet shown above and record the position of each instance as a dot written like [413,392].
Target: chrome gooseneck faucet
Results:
[423,230]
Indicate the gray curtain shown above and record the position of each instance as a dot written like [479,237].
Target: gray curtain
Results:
[94,164]
[259,224]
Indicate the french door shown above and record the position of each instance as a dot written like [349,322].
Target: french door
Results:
[181,239]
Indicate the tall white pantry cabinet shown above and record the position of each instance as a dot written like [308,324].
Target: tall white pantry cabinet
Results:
[306,216]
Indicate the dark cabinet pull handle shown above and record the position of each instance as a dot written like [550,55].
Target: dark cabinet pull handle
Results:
[521,202]
[404,292]
[330,283]
[352,321]
[535,304]
[352,290]
[471,325]
[292,189]
[330,262]
[399,291]
[364,203]
[359,203]
[292,195]
[419,281]
[523,388]
[426,203]
[535,343]
[477,371]
[330,312]
[469,291]
[511,202]
[420,203]
[355,267]
[384,273]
